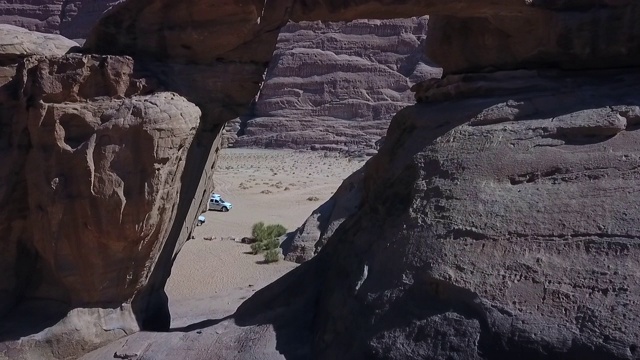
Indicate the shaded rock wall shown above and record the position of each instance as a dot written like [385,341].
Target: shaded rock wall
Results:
[337,85]
[508,214]
[307,240]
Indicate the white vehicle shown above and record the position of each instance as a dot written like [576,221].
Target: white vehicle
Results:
[217,203]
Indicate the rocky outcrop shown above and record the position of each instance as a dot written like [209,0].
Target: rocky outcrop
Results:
[335,86]
[307,240]
[463,36]
[92,183]
[72,19]
[495,226]
[20,43]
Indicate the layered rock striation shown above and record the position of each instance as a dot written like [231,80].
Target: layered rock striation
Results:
[72,19]
[335,86]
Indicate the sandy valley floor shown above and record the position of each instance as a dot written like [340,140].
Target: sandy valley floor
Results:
[263,185]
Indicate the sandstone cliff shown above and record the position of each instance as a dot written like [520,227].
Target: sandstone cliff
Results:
[72,19]
[497,221]
[335,86]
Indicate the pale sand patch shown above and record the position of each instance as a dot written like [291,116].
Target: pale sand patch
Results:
[213,269]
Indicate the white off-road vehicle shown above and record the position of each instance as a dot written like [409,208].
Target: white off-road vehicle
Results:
[217,203]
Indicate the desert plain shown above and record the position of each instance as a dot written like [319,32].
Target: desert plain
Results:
[214,271]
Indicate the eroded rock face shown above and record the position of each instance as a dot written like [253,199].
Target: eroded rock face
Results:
[496,226]
[304,243]
[72,19]
[229,66]
[19,43]
[90,193]
[335,86]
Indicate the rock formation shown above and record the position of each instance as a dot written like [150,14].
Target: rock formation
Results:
[306,241]
[496,226]
[498,220]
[72,19]
[335,86]
[20,43]
[93,166]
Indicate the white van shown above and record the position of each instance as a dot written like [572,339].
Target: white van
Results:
[217,203]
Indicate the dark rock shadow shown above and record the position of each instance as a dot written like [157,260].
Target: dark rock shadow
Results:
[285,245]
[200,325]
[31,317]
[288,304]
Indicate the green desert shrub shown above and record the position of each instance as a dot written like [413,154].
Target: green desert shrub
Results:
[266,237]
[261,233]
[271,244]
[257,229]
[272,255]
[256,248]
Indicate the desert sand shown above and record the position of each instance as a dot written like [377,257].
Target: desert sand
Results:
[273,186]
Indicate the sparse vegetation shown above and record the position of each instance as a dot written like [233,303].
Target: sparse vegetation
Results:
[256,248]
[272,255]
[266,240]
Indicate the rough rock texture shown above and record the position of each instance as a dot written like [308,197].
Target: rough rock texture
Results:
[20,43]
[225,71]
[337,85]
[466,35]
[495,226]
[72,19]
[306,241]
[91,187]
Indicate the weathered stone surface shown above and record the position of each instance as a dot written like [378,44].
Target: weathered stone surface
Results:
[308,239]
[337,85]
[568,38]
[510,238]
[232,62]
[72,19]
[19,43]
[493,227]
[91,187]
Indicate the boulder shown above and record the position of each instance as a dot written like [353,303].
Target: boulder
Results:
[494,227]
[90,191]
